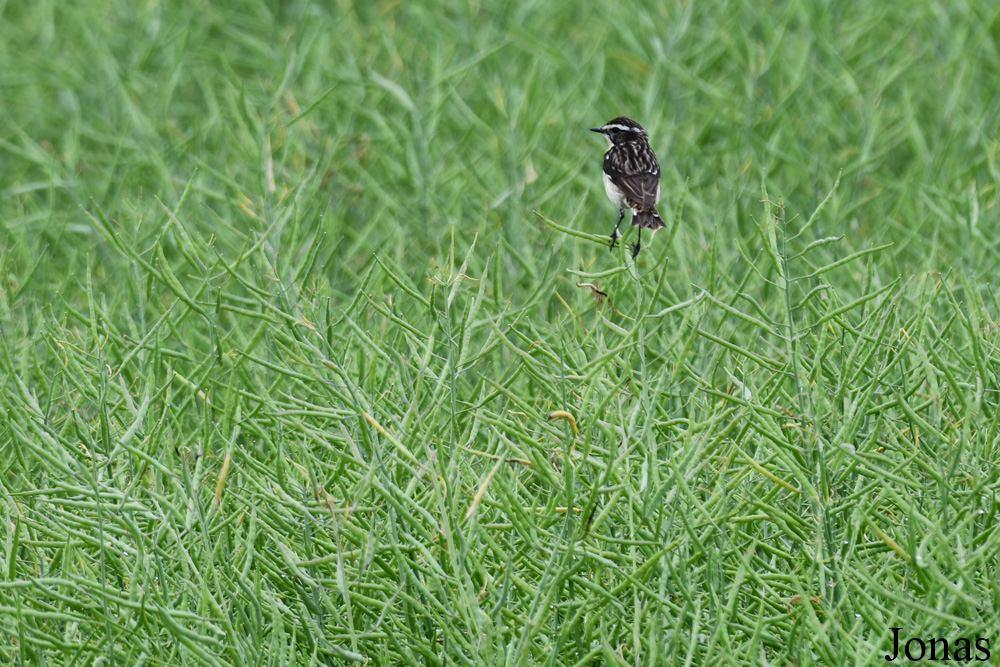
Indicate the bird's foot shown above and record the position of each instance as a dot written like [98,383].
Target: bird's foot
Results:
[635,249]
[614,241]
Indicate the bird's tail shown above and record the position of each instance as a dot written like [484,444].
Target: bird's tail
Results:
[648,219]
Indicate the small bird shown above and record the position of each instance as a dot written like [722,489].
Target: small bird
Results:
[631,176]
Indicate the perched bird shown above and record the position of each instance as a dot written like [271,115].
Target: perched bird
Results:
[631,176]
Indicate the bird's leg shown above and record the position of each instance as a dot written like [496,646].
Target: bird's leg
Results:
[637,245]
[614,234]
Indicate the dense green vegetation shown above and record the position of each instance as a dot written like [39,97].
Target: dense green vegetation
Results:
[312,350]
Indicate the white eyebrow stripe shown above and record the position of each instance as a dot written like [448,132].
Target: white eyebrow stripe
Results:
[620,128]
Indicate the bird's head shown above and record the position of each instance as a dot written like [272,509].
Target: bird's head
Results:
[621,130]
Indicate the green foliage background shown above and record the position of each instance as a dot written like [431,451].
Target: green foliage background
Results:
[290,291]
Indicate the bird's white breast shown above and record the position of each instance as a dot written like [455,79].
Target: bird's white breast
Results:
[613,191]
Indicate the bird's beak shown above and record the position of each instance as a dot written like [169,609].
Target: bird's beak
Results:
[597,129]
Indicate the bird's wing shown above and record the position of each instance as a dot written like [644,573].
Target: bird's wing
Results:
[639,189]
